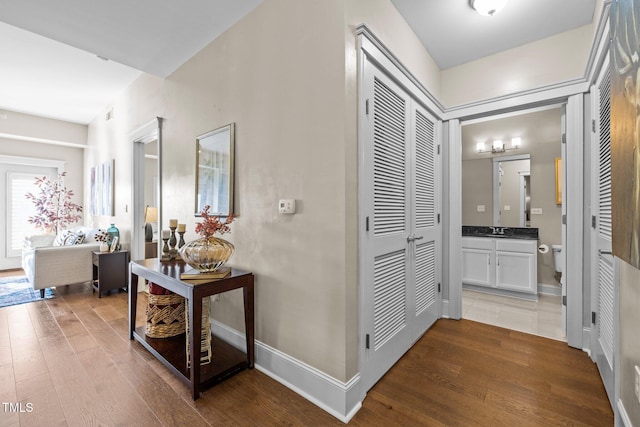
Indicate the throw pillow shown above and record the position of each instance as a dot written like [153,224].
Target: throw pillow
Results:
[68,238]
[74,238]
[60,238]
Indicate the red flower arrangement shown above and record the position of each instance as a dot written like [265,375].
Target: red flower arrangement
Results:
[212,224]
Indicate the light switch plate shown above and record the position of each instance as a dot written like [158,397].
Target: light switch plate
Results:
[507,207]
[536,211]
[480,208]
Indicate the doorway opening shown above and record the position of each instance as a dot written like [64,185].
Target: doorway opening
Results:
[514,187]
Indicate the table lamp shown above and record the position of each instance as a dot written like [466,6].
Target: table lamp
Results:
[150,216]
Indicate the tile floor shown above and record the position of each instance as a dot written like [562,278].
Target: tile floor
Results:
[542,317]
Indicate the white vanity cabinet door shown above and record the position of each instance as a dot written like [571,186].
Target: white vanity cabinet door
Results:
[477,261]
[516,271]
[476,267]
[516,265]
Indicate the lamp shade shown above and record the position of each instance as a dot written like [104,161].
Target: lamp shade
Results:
[150,214]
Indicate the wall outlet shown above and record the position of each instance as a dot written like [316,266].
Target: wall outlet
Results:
[480,208]
[507,207]
[637,382]
[536,211]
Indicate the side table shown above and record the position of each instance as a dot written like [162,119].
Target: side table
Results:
[110,271]
[226,359]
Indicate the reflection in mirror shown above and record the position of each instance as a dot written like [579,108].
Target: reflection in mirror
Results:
[511,191]
[214,173]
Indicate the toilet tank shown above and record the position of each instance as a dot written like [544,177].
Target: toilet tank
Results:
[557,257]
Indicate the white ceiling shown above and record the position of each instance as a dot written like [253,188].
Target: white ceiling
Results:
[453,33]
[49,48]
[57,74]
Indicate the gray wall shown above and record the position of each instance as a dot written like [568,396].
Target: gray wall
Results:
[477,189]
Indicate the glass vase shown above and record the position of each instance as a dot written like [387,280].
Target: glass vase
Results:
[113,233]
[207,253]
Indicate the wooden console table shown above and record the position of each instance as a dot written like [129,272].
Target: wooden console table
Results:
[226,359]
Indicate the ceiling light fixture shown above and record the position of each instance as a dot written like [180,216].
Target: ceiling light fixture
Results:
[487,7]
[497,146]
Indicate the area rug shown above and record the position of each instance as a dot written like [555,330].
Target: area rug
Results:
[17,290]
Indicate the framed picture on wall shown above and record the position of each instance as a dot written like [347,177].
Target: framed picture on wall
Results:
[102,177]
[558,181]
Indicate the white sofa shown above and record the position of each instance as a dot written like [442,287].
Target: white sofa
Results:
[46,265]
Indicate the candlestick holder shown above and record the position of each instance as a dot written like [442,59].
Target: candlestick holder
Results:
[165,250]
[173,252]
[181,241]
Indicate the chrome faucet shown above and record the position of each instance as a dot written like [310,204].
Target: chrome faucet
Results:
[497,230]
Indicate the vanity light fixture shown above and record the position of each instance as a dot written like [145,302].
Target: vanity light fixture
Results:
[497,146]
[487,7]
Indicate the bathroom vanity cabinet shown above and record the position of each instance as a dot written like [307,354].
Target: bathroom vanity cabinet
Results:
[500,263]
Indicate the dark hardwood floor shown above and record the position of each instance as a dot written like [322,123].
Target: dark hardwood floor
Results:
[70,357]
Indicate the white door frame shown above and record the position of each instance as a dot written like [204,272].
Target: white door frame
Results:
[573,200]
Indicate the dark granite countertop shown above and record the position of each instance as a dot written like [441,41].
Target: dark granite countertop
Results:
[500,232]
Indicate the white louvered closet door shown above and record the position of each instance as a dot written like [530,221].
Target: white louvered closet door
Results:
[425,221]
[400,248]
[604,290]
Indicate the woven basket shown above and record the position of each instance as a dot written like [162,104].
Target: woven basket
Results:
[205,336]
[165,316]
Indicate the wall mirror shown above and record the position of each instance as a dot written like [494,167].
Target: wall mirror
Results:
[214,173]
[512,191]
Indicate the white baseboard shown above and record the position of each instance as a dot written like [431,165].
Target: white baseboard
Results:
[622,415]
[586,340]
[445,309]
[549,289]
[340,399]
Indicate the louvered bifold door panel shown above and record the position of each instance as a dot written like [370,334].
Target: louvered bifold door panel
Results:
[389,190]
[425,276]
[425,201]
[604,168]
[386,222]
[605,307]
[389,297]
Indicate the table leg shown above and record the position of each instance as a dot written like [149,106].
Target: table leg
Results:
[133,303]
[248,321]
[195,333]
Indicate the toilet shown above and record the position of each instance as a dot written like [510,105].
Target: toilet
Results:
[557,259]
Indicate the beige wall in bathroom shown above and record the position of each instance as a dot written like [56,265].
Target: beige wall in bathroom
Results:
[477,189]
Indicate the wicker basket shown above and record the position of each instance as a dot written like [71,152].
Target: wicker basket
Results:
[165,316]
[205,337]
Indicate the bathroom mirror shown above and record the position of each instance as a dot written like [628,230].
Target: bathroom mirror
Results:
[512,191]
[214,172]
